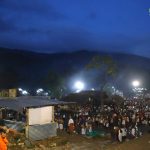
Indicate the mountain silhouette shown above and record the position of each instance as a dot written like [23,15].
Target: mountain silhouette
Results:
[27,69]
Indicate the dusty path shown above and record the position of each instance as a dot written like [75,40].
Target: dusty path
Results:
[78,142]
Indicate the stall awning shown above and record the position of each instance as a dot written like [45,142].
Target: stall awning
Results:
[19,103]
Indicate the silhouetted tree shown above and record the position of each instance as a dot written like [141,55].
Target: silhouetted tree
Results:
[55,83]
[106,70]
[9,78]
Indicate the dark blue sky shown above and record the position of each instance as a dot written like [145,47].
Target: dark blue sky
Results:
[66,25]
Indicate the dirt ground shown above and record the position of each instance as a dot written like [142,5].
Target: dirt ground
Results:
[142,143]
[65,141]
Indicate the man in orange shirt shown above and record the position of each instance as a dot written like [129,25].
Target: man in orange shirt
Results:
[3,140]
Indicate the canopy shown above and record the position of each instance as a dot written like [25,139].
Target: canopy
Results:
[19,103]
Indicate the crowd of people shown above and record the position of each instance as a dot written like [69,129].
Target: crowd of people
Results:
[123,122]
[126,121]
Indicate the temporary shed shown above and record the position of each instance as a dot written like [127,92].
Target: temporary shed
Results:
[39,114]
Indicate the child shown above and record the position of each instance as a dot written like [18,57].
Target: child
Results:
[120,135]
[61,126]
[124,133]
[83,130]
[133,132]
[90,128]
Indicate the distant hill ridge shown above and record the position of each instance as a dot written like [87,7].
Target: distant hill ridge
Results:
[28,68]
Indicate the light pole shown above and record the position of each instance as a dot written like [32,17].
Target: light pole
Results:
[135,84]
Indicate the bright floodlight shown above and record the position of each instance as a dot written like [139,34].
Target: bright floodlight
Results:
[39,90]
[24,92]
[135,83]
[20,89]
[79,85]
[92,89]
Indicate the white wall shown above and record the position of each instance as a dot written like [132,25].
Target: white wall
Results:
[42,115]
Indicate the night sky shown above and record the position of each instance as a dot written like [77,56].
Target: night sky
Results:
[68,25]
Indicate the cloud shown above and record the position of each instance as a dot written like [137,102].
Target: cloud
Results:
[92,16]
[27,17]
[67,38]
[6,26]
[50,39]
[36,7]
[63,26]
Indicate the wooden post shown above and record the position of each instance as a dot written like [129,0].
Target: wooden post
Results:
[53,113]
[27,123]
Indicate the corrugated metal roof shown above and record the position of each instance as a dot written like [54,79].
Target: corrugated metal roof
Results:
[19,103]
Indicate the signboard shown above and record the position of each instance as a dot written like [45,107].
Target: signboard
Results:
[12,92]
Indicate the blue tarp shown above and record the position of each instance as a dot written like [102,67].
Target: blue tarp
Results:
[96,133]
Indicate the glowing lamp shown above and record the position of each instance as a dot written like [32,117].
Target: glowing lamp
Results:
[79,85]
[136,83]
